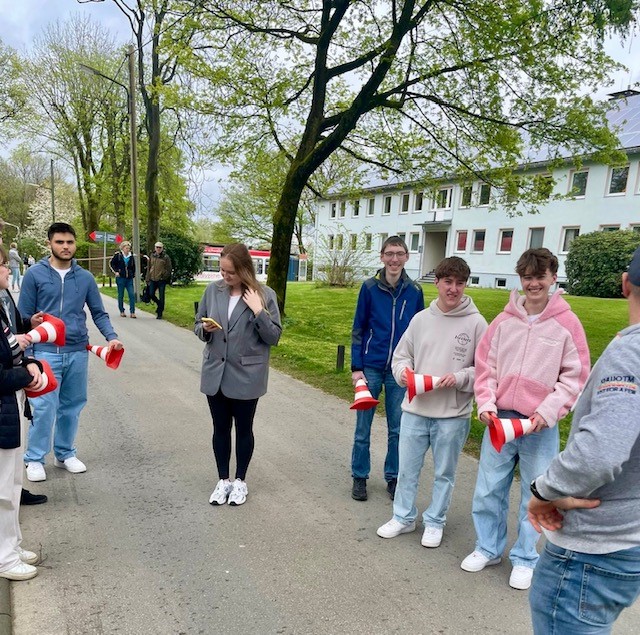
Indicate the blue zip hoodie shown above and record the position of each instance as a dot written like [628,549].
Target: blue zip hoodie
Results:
[382,315]
[44,290]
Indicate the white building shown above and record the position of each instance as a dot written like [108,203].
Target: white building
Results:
[457,219]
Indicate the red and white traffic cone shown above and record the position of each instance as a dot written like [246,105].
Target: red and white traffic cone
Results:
[51,331]
[502,431]
[111,358]
[419,384]
[50,382]
[363,399]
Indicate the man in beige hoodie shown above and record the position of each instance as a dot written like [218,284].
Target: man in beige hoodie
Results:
[440,341]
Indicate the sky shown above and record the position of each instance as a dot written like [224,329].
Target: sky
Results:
[22,20]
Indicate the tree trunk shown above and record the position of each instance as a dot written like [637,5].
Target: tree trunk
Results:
[151,179]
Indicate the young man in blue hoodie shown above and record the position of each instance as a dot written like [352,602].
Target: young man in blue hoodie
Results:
[59,286]
[386,304]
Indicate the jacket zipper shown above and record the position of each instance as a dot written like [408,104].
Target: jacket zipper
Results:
[366,348]
[61,302]
[404,304]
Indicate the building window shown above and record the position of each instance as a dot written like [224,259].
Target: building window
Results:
[506,238]
[544,185]
[386,208]
[343,209]
[536,237]
[569,234]
[485,194]
[415,242]
[478,240]
[609,228]
[339,242]
[404,203]
[333,210]
[618,180]
[331,241]
[635,228]
[354,241]
[474,281]
[465,196]
[417,204]
[501,283]
[442,198]
[402,236]
[383,237]
[356,208]
[371,206]
[579,183]
[367,242]
[461,240]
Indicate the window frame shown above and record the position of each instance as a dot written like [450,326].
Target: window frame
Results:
[371,206]
[531,230]
[418,196]
[459,234]
[448,190]
[387,205]
[501,233]
[405,197]
[572,176]
[612,169]
[355,208]
[414,237]
[481,189]
[463,189]
[563,237]
[473,249]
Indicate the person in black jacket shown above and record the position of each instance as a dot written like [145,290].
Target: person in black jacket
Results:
[16,373]
[123,265]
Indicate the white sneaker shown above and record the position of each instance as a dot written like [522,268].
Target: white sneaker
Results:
[432,536]
[21,571]
[394,528]
[477,561]
[220,493]
[239,492]
[30,557]
[73,464]
[520,577]
[35,471]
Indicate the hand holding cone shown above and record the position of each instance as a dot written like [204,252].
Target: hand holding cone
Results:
[111,357]
[50,381]
[502,431]
[51,331]
[363,399]
[419,384]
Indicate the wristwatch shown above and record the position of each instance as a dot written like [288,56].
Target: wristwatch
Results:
[536,493]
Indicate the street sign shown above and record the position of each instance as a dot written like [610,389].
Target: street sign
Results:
[106,237]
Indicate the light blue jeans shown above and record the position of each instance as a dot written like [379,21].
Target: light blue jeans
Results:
[59,409]
[533,453]
[445,437]
[582,593]
[394,394]
[15,277]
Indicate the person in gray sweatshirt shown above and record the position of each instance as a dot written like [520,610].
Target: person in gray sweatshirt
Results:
[440,341]
[587,503]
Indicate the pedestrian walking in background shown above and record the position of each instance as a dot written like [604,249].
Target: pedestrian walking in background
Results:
[588,500]
[158,276]
[440,341]
[58,285]
[123,265]
[16,372]
[239,321]
[386,304]
[15,262]
[531,363]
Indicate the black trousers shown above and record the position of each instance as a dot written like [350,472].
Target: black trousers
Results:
[223,412]
[159,299]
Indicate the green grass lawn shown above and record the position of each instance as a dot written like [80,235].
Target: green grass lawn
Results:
[319,319]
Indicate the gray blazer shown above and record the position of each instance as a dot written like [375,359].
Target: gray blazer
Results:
[236,357]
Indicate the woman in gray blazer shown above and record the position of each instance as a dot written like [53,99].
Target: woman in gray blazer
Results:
[239,320]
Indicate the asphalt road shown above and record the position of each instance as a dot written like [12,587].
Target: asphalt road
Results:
[133,547]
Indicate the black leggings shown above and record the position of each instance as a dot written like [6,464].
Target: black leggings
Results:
[223,411]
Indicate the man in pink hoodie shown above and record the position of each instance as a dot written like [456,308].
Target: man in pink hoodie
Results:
[531,363]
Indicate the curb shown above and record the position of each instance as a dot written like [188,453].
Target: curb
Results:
[5,607]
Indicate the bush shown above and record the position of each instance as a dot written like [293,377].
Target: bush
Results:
[185,254]
[596,261]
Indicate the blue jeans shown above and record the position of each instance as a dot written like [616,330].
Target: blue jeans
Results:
[126,283]
[60,408]
[159,300]
[15,277]
[582,593]
[393,394]
[446,438]
[533,453]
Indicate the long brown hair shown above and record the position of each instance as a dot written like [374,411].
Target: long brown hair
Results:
[243,265]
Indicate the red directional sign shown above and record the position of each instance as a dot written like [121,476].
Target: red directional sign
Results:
[105,237]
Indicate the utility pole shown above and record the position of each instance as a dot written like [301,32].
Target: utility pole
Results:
[53,197]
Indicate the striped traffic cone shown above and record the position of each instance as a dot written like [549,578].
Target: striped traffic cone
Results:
[363,399]
[502,431]
[51,331]
[419,384]
[111,358]
[50,382]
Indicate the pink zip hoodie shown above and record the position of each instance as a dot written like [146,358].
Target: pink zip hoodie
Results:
[538,367]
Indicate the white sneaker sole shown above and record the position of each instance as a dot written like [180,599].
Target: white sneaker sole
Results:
[405,530]
[62,465]
[474,568]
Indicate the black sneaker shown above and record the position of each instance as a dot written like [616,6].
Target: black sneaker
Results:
[391,487]
[359,491]
[27,498]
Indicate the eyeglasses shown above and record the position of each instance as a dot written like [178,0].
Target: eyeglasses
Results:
[394,254]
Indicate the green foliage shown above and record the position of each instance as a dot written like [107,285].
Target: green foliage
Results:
[185,254]
[596,261]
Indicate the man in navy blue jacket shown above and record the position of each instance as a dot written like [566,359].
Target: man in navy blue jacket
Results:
[386,304]
[58,285]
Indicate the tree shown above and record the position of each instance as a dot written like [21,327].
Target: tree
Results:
[596,261]
[185,254]
[418,89]
[338,257]
[12,95]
